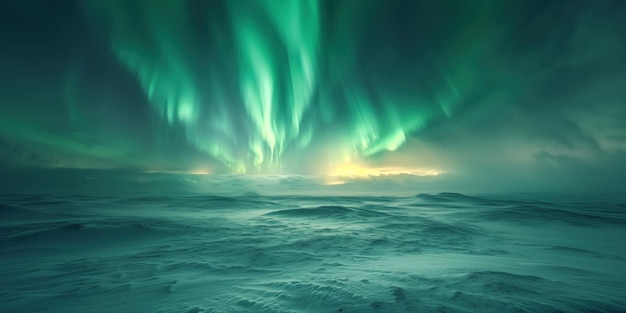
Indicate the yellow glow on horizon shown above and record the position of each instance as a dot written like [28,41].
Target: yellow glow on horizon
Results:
[335,182]
[199,171]
[356,171]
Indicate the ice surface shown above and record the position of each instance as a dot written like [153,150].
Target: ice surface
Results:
[254,253]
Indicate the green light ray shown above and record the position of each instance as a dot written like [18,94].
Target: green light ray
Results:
[268,78]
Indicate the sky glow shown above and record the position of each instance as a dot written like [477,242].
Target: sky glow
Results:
[526,90]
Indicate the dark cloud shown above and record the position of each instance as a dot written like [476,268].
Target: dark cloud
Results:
[16,154]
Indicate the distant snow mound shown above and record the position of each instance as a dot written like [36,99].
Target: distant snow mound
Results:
[320,211]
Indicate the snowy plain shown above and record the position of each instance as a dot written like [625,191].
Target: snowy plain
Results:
[197,252]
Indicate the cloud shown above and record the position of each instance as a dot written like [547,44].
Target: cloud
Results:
[16,154]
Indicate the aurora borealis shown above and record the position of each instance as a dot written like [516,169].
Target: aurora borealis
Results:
[522,90]
[253,87]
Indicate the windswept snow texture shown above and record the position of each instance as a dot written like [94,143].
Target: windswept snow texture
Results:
[254,253]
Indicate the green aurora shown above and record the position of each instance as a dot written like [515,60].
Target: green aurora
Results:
[252,81]
[258,86]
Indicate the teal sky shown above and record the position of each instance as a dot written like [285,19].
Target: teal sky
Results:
[496,91]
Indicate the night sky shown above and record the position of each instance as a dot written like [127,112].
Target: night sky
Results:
[498,92]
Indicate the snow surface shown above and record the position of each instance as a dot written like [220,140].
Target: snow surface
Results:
[255,253]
